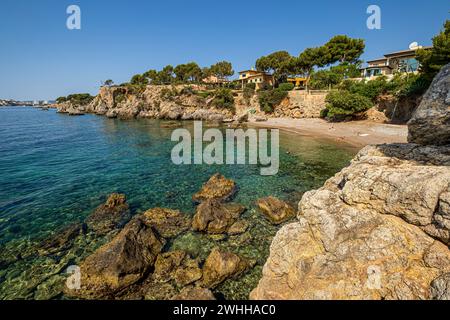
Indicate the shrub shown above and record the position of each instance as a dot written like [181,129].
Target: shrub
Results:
[249,91]
[80,98]
[204,94]
[370,89]
[286,86]
[341,104]
[325,79]
[168,94]
[223,98]
[61,100]
[119,97]
[270,99]
[187,90]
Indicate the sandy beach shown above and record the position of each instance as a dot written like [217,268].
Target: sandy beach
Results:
[355,133]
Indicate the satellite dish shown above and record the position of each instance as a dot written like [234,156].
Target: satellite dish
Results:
[414,46]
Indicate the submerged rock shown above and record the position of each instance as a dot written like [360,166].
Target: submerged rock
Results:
[217,187]
[177,266]
[62,240]
[377,230]
[239,227]
[168,223]
[275,210]
[221,265]
[110,215]
[119,263]
[194,294]
[215,217]
[430,123]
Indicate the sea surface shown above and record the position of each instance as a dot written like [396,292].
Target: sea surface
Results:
[56,169]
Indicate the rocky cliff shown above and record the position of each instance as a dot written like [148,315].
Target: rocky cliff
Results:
[379,229]
[180,103]
[160,102]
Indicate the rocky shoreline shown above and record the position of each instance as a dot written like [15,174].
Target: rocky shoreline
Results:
[135,256]
[379,229]
[154,102]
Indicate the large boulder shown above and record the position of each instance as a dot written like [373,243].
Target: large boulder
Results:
[430,124]
[217,187]
[377,230]
[110,215]
[222,265]
[215,217]
[168,223]
[119,263]
[276,210]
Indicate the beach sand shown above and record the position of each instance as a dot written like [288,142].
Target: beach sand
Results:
[355,133]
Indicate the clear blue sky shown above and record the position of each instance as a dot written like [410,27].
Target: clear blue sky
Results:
[41,59]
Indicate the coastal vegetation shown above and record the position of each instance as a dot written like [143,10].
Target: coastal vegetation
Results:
[333,67]
[223,98]
[269,99]
[188,73]
[349,100]
[76,99]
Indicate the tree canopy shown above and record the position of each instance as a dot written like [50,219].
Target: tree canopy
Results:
[432,60]
[343,49]
[278,63]
[221,70]
[189,72]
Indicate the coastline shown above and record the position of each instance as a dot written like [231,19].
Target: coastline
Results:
[357,134]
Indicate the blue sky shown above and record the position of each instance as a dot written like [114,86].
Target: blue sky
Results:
[41,59]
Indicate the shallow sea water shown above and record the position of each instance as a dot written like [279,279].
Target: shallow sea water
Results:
[56,169]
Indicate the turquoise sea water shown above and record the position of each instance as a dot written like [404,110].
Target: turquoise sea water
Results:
[56,169]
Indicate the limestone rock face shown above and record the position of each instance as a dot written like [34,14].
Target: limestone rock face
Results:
[119,263]
[440,287]
[215,217]
[275,210]
[217,187]
[109,215]
[430,124]
[379,229]
[156,102]
[221,265]
[168,223]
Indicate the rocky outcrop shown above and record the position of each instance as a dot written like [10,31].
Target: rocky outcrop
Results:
[168,223]
[377,230]
[158,102]
[430,124]
[222,265]
[119,263]
[110,215]
[275,210]
[215,217]
[218,188]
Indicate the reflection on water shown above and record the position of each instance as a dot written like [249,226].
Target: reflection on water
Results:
[55,169]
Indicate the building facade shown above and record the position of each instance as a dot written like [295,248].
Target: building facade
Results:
[260,79]
[392,63]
